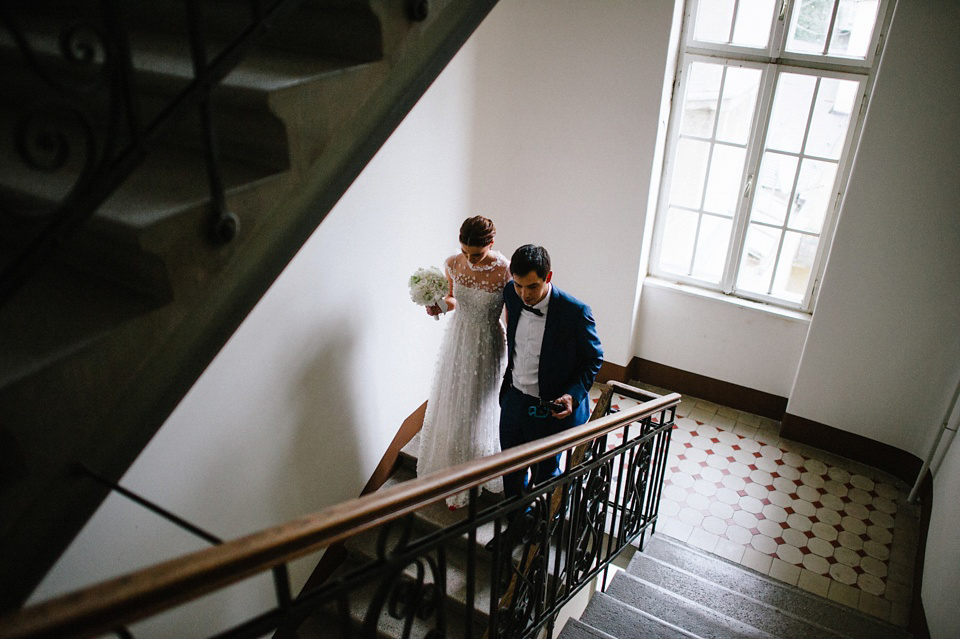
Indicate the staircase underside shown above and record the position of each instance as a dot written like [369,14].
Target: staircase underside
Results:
[105,339]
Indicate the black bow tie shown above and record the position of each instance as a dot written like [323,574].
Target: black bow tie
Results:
[533,310]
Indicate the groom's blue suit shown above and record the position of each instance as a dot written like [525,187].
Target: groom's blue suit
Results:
[570,357]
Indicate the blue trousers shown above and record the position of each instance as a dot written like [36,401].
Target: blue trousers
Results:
[518,426]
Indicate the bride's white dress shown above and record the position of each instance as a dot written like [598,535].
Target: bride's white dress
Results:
[462,421]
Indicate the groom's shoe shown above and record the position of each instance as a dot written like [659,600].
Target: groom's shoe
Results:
[514,534]
[505,539]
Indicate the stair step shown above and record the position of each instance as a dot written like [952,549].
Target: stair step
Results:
[791,600]
[617,619]
[576,629]
[437,516]
[661,603]
[246,125]
[704,592]
[320,623]
[343,28]
[364,549]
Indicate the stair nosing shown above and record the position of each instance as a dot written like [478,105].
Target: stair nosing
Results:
[782,586]
[647,615]
[793,616]
[685,600]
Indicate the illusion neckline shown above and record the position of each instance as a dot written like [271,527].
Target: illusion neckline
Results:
[497,257]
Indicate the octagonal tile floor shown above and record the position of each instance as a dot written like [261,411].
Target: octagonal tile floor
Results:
[829,525]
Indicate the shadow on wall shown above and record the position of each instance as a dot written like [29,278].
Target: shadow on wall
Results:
[325,462]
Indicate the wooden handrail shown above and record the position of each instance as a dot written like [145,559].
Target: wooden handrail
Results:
[101,608]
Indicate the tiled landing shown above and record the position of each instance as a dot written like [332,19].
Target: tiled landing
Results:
[829,525]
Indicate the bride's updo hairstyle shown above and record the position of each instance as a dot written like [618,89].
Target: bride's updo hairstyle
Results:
[477,231]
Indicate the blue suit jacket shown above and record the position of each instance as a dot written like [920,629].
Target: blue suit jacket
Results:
[570,356]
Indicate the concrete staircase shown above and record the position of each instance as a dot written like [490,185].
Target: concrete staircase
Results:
[671,590]
[104,339]
[362,551]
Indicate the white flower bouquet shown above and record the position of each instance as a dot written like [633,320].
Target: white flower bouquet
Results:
[428,287]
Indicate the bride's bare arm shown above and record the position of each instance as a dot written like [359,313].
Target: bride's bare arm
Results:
[449,299]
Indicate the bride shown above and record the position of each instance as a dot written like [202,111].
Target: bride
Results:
[463,412]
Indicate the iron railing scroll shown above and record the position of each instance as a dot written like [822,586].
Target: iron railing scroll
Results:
[72,126]
[405,577]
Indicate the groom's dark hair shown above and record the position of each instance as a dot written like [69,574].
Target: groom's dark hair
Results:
[529,258]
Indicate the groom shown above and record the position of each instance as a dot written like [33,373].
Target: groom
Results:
[553,357]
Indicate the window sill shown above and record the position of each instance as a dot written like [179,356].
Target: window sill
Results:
[694,291]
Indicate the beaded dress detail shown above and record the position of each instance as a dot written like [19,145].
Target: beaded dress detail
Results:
[462,421]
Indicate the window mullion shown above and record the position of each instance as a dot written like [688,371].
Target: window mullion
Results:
[733,21]
[748,185]
[778,39]
[833,22]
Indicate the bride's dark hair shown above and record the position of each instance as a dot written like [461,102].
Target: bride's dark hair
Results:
[477,231]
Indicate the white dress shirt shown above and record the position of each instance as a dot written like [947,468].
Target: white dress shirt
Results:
[527,345]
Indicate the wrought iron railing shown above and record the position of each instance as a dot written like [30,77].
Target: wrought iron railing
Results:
[76,122]
[406,579]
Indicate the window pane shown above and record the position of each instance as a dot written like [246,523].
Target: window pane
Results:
[752,28]
[676,247]
[809,26]
[814,190]
[714,18]
[831,117]
[757,261]
[700,101]
[854,28]
[791,106]
[726,174]
[796,264]
[774,186]
[740,90]
[712,244]
[689,171]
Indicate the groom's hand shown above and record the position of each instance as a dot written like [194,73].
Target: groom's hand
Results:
[567,402]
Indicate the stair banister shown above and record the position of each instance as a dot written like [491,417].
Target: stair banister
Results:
[111,604]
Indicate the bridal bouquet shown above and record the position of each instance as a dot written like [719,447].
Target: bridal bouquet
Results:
[428,287]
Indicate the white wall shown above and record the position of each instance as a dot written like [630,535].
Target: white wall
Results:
[941,579]
[296,410]
[883,352]
[568,114]
[736,343]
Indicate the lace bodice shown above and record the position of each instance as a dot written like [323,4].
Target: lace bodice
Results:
[488,277]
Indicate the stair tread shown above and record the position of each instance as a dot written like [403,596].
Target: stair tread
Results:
[754,598]
[162,54]
[365,546]
[771,591]
[318,623]
[619,620]
[267,71]
[664,604]
[576,629]
[169,180]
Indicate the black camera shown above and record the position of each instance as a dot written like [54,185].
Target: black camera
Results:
[554,406]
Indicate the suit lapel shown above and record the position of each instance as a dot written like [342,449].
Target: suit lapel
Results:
[554,319]
[513,317]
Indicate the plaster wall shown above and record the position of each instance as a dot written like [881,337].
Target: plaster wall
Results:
[568,116]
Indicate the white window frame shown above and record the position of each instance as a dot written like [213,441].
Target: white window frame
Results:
[772,61]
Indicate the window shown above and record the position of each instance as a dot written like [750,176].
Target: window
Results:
[767,102]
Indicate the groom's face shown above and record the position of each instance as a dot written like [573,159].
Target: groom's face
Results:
[531,287]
